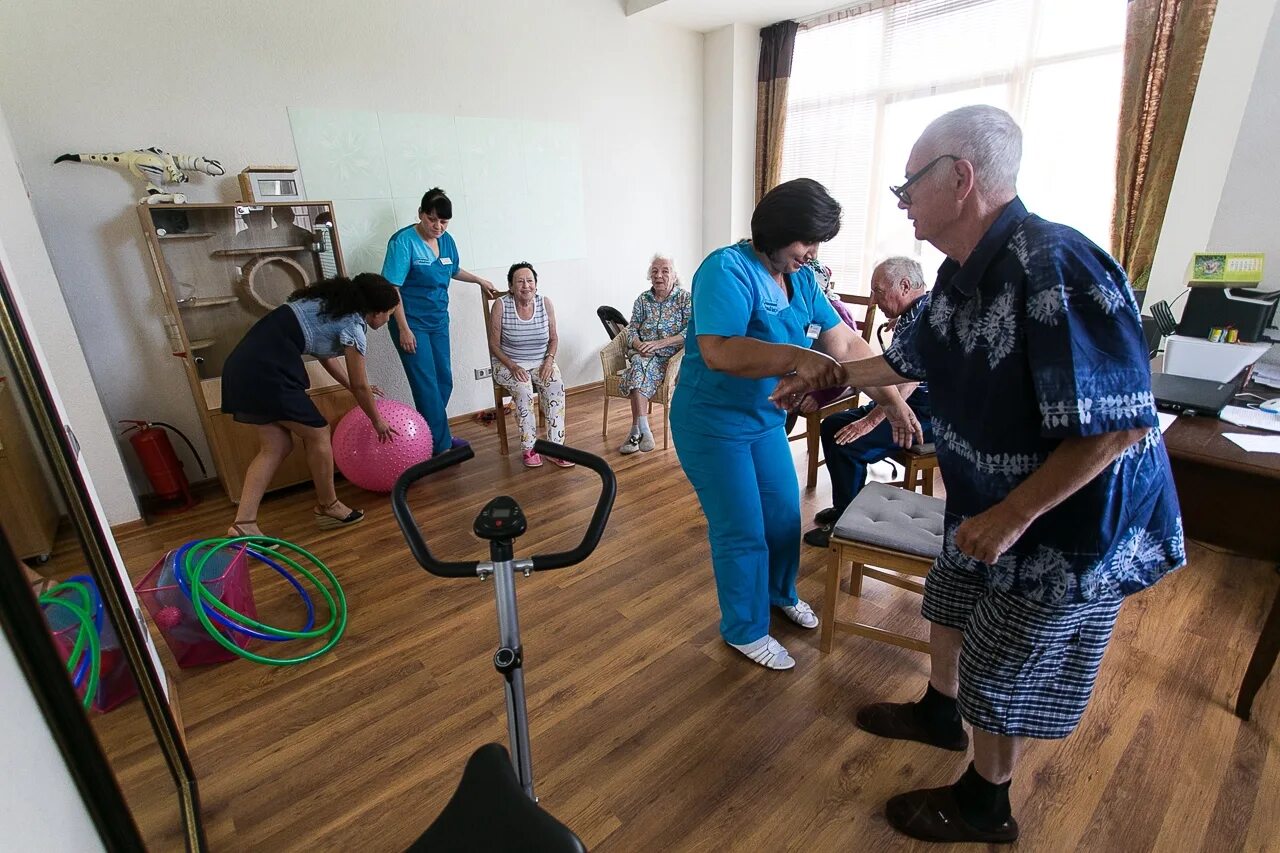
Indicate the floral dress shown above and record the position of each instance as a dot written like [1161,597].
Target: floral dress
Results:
[651,320]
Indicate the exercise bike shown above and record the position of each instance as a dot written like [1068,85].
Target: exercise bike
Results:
[494,807]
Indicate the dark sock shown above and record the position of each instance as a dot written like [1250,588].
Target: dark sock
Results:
[938,710]
[985,805]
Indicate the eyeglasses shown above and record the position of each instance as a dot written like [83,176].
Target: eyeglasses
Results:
[901,191]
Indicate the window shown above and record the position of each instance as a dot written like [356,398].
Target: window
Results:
[865,82]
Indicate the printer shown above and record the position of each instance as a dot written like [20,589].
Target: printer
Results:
[1249,310]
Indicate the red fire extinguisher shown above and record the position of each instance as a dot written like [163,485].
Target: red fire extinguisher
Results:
[161,464]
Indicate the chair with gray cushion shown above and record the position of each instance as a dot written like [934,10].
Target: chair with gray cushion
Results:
[887,533]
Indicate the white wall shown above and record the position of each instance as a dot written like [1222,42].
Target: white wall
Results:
[1208,185]
[1246,220]
[730,63]
[44,312]
[42,809]
[215,77]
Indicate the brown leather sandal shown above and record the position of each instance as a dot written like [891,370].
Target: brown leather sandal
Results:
[237,530]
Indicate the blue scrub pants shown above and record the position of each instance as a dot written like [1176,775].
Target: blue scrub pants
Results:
[751,498]
[430,374]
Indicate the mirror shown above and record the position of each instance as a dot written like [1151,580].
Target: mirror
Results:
[79,590]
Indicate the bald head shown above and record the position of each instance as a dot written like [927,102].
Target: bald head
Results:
[988,138]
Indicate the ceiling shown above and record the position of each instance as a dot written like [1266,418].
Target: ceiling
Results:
[706,15]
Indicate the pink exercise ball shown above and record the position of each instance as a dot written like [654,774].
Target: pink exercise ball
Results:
[376,466]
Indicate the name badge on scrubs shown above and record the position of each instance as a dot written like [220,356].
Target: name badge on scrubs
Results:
[447,261]
[813,331]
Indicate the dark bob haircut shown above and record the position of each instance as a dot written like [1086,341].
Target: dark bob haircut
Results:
[367,293]
[435,201]
[797,211]
[516,267]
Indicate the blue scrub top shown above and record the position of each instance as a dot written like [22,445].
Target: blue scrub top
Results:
[733,296]
[422,276]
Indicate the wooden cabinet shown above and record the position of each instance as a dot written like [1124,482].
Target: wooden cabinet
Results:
[221,267]
[28,511]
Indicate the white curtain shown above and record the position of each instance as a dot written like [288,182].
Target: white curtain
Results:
[866,81]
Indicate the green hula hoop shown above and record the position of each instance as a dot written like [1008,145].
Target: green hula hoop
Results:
[200,597]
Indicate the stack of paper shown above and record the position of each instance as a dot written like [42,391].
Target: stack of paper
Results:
[1241,416]
[1267,370]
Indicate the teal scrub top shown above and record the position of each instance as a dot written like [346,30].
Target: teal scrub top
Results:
[422,276]
[733,295]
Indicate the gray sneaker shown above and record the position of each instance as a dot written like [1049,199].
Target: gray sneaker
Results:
[631,445]
[646,442]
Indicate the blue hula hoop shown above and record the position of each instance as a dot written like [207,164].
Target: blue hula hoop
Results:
[184,583]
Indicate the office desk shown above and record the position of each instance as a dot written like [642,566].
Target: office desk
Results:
[1231,499]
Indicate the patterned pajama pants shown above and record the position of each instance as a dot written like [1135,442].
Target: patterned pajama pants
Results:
[550,397]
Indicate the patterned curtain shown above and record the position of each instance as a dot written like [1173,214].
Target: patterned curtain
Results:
[1163,51]
[777,44]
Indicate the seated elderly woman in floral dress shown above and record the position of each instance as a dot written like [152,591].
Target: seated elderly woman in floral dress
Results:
[659,320]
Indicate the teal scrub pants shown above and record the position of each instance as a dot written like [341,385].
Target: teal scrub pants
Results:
[430,375]
[751,498]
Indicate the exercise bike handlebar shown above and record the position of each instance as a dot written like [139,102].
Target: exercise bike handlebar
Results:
[599,518]
[409,527]
[463,569]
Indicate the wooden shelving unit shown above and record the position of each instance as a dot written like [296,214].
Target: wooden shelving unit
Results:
[209,265]
[259,250]
[207,302]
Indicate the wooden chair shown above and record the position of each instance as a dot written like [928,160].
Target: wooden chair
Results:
[889,534]
[613,360]
[500,393]
[918,466]
[813,420]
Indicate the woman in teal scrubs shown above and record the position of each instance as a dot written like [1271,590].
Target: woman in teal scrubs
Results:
[759,314]
[421,260]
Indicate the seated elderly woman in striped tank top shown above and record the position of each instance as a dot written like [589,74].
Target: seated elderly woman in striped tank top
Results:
[522,342]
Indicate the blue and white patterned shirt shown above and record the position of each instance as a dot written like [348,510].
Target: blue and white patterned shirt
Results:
[1035,339]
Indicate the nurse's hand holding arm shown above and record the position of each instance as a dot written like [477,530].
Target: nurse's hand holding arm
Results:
[870,375]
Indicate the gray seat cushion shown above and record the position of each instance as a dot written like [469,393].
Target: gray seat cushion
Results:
[895,519]
[922,449]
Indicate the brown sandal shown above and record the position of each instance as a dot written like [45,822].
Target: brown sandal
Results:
[237,530]
[326,522]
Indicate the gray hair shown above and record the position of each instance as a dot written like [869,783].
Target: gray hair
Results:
[987,137]
[898,267]
[662,256]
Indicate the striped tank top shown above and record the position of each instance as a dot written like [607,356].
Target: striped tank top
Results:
[524,341]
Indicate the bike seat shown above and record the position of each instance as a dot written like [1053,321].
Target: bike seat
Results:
[491,812]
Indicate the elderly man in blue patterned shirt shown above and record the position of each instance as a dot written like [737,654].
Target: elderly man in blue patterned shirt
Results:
[1059,500]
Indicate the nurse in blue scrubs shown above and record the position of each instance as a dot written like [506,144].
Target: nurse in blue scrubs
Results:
[422,259]
[759,314]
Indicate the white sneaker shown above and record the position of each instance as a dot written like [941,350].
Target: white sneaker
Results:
[767,652]
[801,614]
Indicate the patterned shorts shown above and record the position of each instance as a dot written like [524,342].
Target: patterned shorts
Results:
[1026,669]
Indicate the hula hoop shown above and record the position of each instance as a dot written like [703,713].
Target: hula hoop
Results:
[86,630]
[180,575]
[203,600]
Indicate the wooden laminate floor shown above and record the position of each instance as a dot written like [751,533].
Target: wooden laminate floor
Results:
[649,733]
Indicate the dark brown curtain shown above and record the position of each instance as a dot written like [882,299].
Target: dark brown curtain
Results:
[1163,51]
[777,44]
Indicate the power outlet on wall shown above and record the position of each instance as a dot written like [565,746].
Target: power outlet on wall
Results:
[484,372]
